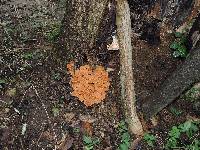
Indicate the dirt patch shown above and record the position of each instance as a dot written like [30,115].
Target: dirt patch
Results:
[37,108]
[44,104]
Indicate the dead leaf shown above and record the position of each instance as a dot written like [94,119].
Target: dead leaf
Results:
[11,92]
[87,118]
[193,118]
[110,69]
[135,143]
[87,128]
[114,45]
[47,135]
[69,116]
[65,143]
[154,121]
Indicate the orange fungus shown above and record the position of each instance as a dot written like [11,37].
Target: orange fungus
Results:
[89,85]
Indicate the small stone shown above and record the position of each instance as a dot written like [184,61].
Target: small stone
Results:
[102,134]
[7,110]
[110,69]
[154,121]
[69,116]
[87,118]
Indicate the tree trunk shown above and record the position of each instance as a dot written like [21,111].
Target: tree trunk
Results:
[81,28]
[180,80]
[81,25]
[151,21]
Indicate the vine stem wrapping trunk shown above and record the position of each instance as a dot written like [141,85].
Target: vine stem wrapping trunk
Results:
[123,23]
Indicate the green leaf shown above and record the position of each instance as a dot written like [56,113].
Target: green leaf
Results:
[89,142]
[125,136]
[178,34]
[175,111]
[176,54]
[189,127]
[53,33]
[87,139]
[186,126]
[174,45]
[88,147]
[57,76]
[171,143]
[194,146]
[2,81]
[123,146]
[183,40]
[149,139]
[76,130]
[182,50]
[193,129]
[96,141]
[55,111]
[122,126]
[192,94]
[28,56]
[175,132]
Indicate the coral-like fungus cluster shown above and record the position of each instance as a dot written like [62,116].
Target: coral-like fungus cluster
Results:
[89,85]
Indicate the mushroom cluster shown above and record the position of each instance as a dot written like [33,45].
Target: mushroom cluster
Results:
[89,85]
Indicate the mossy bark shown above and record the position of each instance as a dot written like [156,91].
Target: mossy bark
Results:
[127,80]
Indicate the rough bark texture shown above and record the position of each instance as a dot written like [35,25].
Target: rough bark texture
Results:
[180,80]
[81,24]
[127,81]
[176,12]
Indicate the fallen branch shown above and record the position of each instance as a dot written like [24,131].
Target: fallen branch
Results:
[127,81]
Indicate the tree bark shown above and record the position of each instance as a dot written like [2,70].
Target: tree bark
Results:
[81,25]
[180,80]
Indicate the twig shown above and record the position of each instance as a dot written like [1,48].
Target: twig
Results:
[3,102]
[22,144]
[40,135]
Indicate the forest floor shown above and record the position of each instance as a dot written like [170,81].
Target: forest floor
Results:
[37,110]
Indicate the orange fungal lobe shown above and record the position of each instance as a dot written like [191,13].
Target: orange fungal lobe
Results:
[89,85]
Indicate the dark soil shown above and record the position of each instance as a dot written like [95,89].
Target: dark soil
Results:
[37,84]
[37,110]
